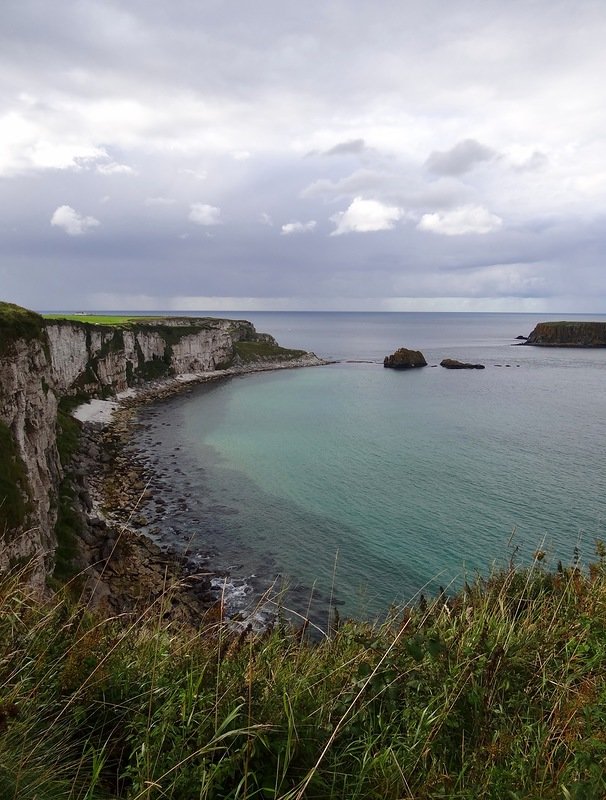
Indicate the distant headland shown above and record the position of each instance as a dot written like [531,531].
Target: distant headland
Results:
[568,334]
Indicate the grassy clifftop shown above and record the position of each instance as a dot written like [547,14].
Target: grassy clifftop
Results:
[500,693]
[250,352]
[18,323]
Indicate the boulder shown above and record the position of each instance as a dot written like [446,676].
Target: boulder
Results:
[452,363]
[405,359]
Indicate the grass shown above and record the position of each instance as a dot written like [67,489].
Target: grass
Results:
[500,693]
[68,524]
[249,352]
[13,483]
[100,319]
[18,323]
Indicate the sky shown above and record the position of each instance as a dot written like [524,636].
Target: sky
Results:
[281,155]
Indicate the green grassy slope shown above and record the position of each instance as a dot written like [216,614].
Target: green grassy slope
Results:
[500,694]
[100,319]
[18,323]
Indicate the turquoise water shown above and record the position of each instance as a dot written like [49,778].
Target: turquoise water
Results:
[372,485]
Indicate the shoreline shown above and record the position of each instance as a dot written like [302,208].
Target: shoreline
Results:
[100,412]
[119,486]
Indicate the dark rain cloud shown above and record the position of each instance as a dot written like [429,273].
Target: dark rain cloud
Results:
[351,147]
[460,158]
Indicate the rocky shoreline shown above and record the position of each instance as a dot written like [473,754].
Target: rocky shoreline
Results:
[116,498]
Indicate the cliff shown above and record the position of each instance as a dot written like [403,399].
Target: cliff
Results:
[568,334]
[29,460]
[44,362]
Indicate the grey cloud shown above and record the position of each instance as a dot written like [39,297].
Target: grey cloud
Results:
[459,159]
[536,161]
[351,147]
[359,182]
[174,90]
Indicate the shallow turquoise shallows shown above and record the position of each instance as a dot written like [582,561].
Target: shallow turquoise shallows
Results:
[369,486]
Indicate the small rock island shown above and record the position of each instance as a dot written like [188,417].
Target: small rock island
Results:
[452,363]
[568,334]
[405,359]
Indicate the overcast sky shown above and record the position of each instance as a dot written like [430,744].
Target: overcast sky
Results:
[327,154]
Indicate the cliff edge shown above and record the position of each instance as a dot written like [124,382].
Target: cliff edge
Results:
[568,334]
[48,365]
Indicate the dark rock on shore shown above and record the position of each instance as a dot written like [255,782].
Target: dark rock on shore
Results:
[452,363]
[522,338]
[405,359]
[568,334]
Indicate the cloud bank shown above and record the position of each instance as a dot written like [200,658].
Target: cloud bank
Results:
[377,154]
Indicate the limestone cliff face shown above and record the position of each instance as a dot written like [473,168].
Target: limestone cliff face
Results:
[96,359]
[568,334]
[28,414]
[41,362]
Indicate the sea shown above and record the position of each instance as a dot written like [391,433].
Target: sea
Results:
[351,489]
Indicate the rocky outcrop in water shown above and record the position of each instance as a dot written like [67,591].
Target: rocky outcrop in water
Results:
[452,363]
[568,334]
[405,359]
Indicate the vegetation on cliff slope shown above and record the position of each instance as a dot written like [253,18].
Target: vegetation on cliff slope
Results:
[13,484]
[500,693]
[68,523]
[249,352]
[18,323]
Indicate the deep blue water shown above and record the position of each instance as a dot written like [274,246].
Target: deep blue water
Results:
[373,485]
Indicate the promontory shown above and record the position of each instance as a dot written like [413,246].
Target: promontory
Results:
[568,334]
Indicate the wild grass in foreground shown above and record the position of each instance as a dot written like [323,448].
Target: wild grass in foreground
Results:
[499,693]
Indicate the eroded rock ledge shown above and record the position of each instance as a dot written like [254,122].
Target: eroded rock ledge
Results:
[568,334]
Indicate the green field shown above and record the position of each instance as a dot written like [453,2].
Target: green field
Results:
[100,319]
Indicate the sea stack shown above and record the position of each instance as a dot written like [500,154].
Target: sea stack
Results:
[405,359]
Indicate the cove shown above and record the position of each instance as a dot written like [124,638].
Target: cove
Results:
[393,484]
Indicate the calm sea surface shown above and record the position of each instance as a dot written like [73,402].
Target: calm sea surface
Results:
[368,485]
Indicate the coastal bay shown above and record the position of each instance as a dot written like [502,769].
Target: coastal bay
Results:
[403,481]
